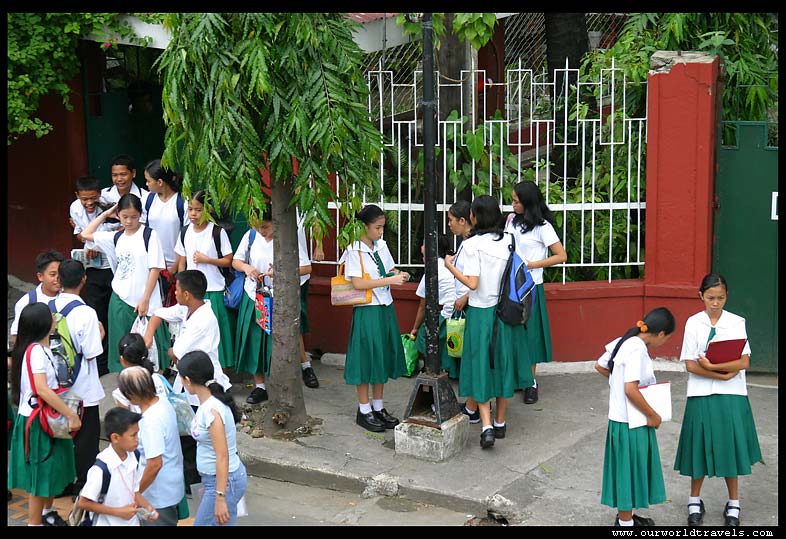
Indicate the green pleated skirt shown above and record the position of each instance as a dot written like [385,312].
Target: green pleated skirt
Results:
[538,330]
[253,347]
[121,318]
[511,370]
[41,476]
[374,352]
[718,437]
[449,364]
[226,350]
[632,475]
[304,325]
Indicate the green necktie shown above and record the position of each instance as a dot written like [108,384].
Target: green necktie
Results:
[712,334]
[380,266]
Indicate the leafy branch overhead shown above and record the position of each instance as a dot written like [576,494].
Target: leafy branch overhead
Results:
[284,92]
[477,28]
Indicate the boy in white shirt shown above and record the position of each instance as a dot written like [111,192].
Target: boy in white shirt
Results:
[86,333]
[47,264]
[123,504]
[123,174]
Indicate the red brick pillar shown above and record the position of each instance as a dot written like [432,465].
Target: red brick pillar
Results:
[681,141]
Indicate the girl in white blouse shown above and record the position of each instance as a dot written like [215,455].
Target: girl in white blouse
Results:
[718,435]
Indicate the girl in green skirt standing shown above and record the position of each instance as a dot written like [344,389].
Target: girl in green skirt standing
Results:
[718,435]
[485,375]
[374,352]
[196,250]
[632,476]
[136,258]
[532,224]
[253,347]
[44,466]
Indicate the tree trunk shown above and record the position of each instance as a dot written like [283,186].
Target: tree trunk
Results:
[286,409]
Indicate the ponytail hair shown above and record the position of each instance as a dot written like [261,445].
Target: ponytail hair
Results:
[199,369]
[133,350]
[655,321]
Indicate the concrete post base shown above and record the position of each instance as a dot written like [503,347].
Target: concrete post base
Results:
[431,443]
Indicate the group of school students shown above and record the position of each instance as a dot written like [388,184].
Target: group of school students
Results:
[178,239]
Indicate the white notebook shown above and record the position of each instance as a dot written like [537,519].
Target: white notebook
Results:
[659,397]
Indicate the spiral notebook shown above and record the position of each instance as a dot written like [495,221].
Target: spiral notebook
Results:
[659,397]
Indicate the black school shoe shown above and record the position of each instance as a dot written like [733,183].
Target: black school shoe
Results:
[257,396]
[369,422]
[695,519]
[53,519]
[637,521]
[499,432]
[487,438]
[531,395]
[310,378]
[387,420]
[730,520]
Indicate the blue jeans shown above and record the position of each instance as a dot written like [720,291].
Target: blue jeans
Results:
[236,488]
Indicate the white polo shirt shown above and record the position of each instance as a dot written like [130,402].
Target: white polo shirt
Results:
[111,195]
[86,336]
[447,289]
[123,485]
[164,219]
[81,219]
[534,245]
[631,363]
[302,247]
[486,258]
[458,261]
[697,330]
[381,295]
[24,301]
[203,242]
[131,264]
[41,360]
[158,437]
[197,332]
[261,257]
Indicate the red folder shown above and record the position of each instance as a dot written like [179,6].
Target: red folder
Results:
[724,351]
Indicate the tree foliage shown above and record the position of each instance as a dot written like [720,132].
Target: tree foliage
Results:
[477,28]
[247,91]
[42,59]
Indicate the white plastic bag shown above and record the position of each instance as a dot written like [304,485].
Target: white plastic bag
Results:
[140,326]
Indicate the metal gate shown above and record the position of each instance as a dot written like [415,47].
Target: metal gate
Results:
[745,243]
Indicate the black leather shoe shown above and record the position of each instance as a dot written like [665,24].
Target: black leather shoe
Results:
[310,377]
[53,519]
[369,422]
[695,519]
[499,432]
[487,438]
[531,395]
[385,418]
[257,396]
[642,521]
[730,520]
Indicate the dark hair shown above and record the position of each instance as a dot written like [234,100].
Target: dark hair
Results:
[370,213]
[87,183]
[460,210]
[536,212]
[442,245]
[122,160]
[136,383]
[35,322]
[488,218]
[194,281]
[71,273]
[129,200]
[198,367]
[118,420]
[132,347]
[46,258]
[159,172]
[199,196]
[712,280]
[657,320]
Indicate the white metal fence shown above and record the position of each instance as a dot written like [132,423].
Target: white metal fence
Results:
[590,166]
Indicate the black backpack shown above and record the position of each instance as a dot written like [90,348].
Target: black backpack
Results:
[228,274]
[80,517]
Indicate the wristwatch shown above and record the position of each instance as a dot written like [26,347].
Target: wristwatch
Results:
[221,493]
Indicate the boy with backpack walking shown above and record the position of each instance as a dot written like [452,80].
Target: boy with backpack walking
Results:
[47,264]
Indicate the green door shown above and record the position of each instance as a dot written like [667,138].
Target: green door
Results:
[745,243]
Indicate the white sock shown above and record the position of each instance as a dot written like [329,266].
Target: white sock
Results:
[261,386]
[625,522]
[470,411]
[694,508]
[499,424]
[35,525]
[377,404]
[46,511]
[535,385]
[485,428]
[305,365]
[365,408]
[734,509]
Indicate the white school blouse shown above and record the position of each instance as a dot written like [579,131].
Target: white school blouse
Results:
[81,219]
[486,258]
[534,245]
[458,261]
[631,363]
[447,289]
[41,361]
[123,486]
[164,219]
[697,330]
[24,301]
[203,242]
[261,257]
[302,247]
[351,258]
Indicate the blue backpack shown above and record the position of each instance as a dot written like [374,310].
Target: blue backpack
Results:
[80,517]
[234,290]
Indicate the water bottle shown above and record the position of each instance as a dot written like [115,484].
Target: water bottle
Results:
[61,365]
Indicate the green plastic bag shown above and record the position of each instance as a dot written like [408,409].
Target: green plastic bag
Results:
[455,334]
[410,353]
